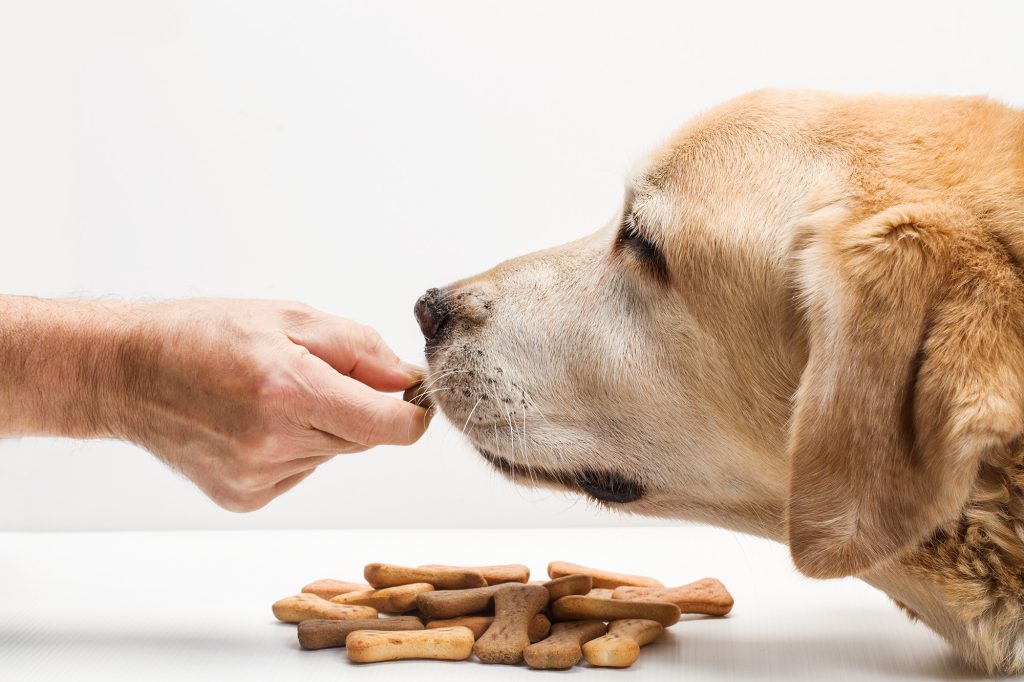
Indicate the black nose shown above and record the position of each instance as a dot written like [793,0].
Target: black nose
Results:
[431,312]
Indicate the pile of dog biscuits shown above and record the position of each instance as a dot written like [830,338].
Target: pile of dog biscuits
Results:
[450,613]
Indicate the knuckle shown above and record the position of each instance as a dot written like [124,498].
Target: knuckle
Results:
[270,384]
[261,444]
[248,478]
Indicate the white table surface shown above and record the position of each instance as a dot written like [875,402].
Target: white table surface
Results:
[196,606]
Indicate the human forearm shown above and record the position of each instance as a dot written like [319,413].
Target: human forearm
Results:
[246,398]
[59,368]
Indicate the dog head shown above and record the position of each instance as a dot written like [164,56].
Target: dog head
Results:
[805,322]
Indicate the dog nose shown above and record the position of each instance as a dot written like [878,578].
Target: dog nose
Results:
[431,312]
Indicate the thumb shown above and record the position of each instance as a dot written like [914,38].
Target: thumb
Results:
[354,412]
[358,351]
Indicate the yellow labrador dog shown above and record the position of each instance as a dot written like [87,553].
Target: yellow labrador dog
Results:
[806,323]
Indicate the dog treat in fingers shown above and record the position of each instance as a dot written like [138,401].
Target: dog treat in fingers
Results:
[707,596]
[578,607]
[576,583]
[389,575]
[389,599]
[621,646]
[562,649]
[324,634]
[328,588]
[539,628]
[452,603]
[514,607]
[601,593]
[494,575]
[307,605]
[417,394]
[442,644]
[557,569]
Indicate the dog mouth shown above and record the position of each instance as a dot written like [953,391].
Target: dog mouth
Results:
[602,485]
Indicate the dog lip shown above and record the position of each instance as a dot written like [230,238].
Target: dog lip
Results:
[609,487]
[601,485]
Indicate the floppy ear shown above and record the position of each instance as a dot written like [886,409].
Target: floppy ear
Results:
[913,381]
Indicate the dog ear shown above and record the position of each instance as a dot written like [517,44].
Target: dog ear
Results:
[913,380]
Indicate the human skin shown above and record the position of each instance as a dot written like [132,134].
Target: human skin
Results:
[244,397]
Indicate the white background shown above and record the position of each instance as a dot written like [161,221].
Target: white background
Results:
[352,154]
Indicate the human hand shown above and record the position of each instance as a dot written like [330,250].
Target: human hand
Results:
[247,397]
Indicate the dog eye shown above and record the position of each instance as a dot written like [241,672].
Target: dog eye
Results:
[630,239]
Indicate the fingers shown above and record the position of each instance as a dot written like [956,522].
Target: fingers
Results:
[350,410]
[357,351]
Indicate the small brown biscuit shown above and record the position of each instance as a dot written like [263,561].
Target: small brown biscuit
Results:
[329,588]
[397,599]
[515,606]
[578,607]
[477,624]
[441,644]
[707,596]
[539,625]
[601,578]
[563,647]
[325,634]
[389,575]
[621,646]
[418,395]
[307,605]
[601,593]
[451,603]
[568,584]
[494,575]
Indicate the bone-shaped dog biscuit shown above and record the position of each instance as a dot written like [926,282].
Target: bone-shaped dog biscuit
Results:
[389,575]
[514,607]
[452,603]
[601,578]
[576,583]
[324,634]
[562,649]
[389,599]
[707,596]
[307,605]
[328,588]
[578,607]
[494,575]
[621,646]
[443,644]
[539,628]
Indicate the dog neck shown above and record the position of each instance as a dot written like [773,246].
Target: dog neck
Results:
[967,581]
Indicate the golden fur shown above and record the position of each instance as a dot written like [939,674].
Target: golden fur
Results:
[833,356]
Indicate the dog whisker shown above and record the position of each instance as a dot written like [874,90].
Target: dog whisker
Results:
[466,425]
